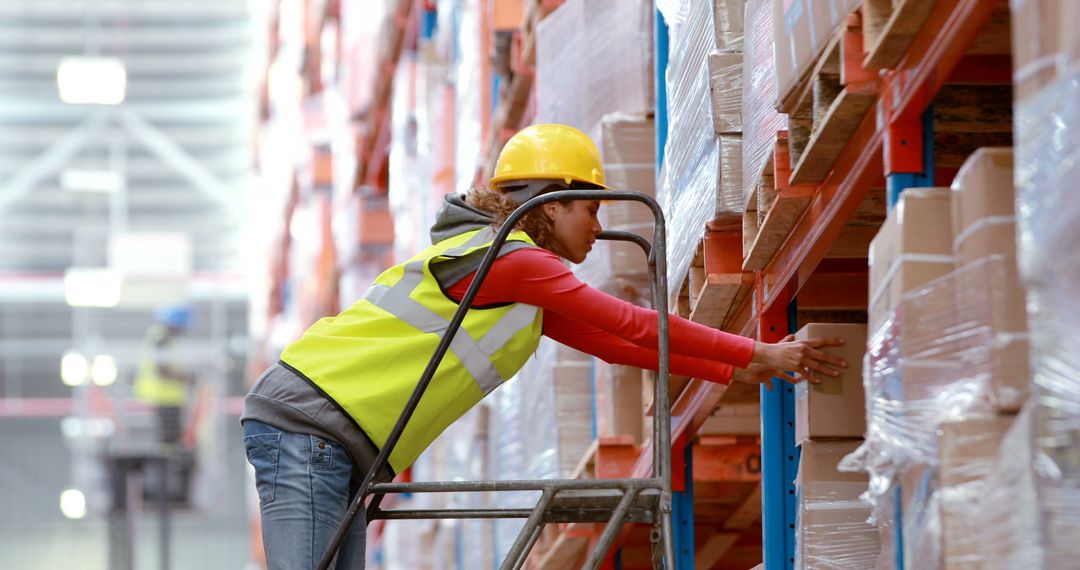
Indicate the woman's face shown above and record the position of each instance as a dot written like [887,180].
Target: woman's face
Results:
[575,227]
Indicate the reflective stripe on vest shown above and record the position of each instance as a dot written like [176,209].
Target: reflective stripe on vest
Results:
[368,361]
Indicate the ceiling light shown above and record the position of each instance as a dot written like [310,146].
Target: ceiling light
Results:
[91,80]
[73,368]
[84,180]
[73,504]
[92,287]
[103,372]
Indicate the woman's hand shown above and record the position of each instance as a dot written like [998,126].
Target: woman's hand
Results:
[761,374]
[801,356]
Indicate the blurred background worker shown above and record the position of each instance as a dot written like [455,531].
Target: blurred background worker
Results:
[162,380]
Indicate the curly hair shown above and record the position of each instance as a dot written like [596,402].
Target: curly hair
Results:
[536,224]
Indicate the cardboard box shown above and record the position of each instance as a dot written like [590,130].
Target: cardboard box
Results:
[1044,42]
[801,30]
[572,381]
[913,247]
[728,23]
[832,531]
[918,488]
[725,82]
[628,148]
[968,453]
[984,206]
[729,172]
[837,406]
[963,345]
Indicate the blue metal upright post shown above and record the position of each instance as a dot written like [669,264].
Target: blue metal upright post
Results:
[682,511]
[779,459]
[661,60]
[896,183]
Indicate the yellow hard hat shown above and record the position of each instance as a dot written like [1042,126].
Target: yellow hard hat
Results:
[550,152]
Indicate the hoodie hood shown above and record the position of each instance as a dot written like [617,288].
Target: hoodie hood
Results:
[457,217]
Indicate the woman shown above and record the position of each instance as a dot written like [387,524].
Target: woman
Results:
[314,421]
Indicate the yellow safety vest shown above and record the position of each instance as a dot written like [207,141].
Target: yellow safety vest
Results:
[370,357]
[150,385]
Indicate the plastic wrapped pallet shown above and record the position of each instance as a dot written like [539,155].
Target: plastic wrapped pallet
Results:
[728,23]
[1045,43]
[969,454]
[628,147]
[468,102]
[1047,166]
[946,352]
[594,57]
[801,30]
[833,532]
[920,516]
[1006,509]
[691,192]
[761,121]
[508,459]
[725,87]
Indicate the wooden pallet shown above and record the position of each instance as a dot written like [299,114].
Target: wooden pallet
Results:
[717,281]
[890,27]
[827,108]
[778,208]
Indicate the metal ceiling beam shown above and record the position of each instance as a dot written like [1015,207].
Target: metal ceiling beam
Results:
[183,163]
[210,110]
[223,62]
[52,160]
[57,37]
[28,288]
[203,9]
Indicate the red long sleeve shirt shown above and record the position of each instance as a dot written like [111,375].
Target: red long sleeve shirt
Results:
[607,327]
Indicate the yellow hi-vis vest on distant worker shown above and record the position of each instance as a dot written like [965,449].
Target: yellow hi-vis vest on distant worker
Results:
[151,386]
[370,357]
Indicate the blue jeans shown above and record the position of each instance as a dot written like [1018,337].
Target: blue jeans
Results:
[305,488]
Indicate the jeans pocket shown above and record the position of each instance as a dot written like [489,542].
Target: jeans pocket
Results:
[324,452]
[262,452]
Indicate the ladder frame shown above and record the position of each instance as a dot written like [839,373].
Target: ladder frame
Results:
[627,491]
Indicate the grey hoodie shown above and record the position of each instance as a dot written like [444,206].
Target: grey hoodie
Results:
[455,218]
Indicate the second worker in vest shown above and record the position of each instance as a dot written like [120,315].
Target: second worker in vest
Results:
[313,422]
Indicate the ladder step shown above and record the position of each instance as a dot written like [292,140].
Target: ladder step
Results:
[597,505]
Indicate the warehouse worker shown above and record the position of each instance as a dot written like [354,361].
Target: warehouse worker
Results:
[313,422]
[162,380]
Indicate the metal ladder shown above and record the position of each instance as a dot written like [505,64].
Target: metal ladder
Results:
[614,501]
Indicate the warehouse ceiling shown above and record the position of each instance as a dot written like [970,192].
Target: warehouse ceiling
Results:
[180,145]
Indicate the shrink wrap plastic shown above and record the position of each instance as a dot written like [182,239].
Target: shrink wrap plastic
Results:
[594,57]
[948,351]
[693,189]
[838,541]
[1046,170]
[969,455]
[761,120]
[1004,506]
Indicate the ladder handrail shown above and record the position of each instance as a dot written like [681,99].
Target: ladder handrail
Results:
[657,256]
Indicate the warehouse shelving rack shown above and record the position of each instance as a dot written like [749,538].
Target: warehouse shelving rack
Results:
[895,142]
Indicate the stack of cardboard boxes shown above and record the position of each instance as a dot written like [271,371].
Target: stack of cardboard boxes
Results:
[1046,88]
[946,365]
[832,528]
[698,182]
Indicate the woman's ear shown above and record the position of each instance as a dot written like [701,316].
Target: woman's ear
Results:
[551,209]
